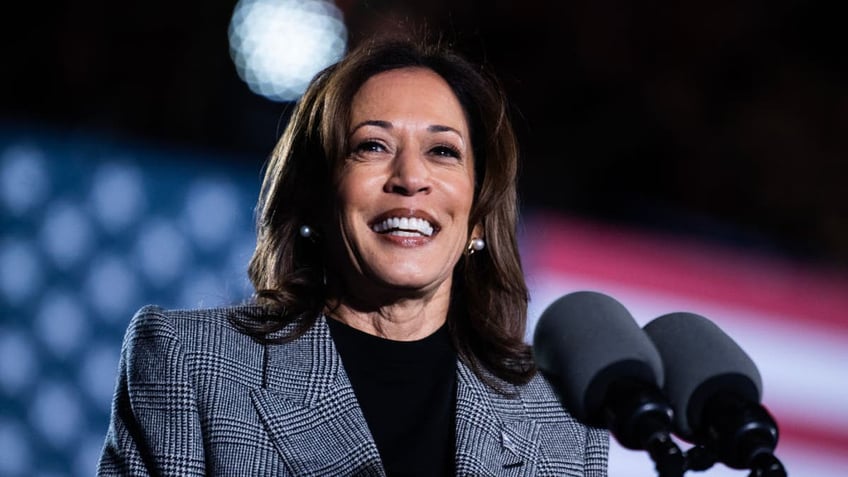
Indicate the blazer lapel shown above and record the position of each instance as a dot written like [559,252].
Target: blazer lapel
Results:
[311,414]
[494,437]
[310,411]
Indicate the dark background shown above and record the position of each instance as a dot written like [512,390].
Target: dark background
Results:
[721,120]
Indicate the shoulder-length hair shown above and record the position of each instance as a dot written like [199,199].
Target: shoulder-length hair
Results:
[488,311]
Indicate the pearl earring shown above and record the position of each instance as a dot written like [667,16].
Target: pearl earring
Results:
[475,245]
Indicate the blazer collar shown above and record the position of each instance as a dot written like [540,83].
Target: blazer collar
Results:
[310,411]
[493,433]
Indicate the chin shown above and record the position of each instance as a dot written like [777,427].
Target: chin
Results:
[408,282]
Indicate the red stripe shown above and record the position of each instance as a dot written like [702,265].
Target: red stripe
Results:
[779,287]
[798,433]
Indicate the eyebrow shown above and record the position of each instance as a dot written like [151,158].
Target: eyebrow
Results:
[387,125]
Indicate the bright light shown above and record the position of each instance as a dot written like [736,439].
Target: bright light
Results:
[279,45]
[23,178]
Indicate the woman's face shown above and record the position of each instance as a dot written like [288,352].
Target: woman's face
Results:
[406,189]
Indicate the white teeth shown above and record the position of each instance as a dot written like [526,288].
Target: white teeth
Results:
[404,226]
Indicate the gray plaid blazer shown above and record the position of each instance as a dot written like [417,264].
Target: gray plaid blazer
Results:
[194,396]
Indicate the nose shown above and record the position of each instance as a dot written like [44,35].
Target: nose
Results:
[410,174]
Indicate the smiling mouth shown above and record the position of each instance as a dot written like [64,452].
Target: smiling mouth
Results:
[404,227]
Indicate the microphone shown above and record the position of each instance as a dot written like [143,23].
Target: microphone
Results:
[715,389]
[608,373]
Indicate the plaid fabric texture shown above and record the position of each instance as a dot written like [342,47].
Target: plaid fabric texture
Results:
[194,396]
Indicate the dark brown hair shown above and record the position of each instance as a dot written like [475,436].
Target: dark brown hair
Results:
[488,310]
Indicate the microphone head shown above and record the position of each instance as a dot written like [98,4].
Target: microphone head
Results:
[584,342]
[701,362]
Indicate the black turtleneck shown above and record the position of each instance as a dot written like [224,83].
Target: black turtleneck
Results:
[407,392]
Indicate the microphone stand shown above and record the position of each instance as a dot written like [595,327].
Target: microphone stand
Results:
[766,464]
[742,434]
[667,456]
[640,418]
[699,458]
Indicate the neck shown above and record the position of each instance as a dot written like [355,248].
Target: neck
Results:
[400,319]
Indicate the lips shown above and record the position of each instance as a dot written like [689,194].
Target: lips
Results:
[405,223]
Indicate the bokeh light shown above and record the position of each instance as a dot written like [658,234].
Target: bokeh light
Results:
[91,232]
[23,181]
[279,45]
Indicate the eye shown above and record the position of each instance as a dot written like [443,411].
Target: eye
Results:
[446,151]
[369,146]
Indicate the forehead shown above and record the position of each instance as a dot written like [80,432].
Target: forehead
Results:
[408,92]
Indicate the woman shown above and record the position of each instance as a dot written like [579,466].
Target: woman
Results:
[386,337]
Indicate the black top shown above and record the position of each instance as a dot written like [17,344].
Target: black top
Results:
[407,391]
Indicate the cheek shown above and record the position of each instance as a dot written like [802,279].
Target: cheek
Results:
[462,194]
[351,192]
[355,195]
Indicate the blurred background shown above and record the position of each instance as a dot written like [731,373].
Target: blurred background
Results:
[679,156]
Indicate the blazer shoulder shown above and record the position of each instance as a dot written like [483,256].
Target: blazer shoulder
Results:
[540,387]
[153,316]
[543,401]
[200,331]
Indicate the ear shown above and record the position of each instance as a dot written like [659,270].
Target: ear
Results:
[476,241]
[477,231]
